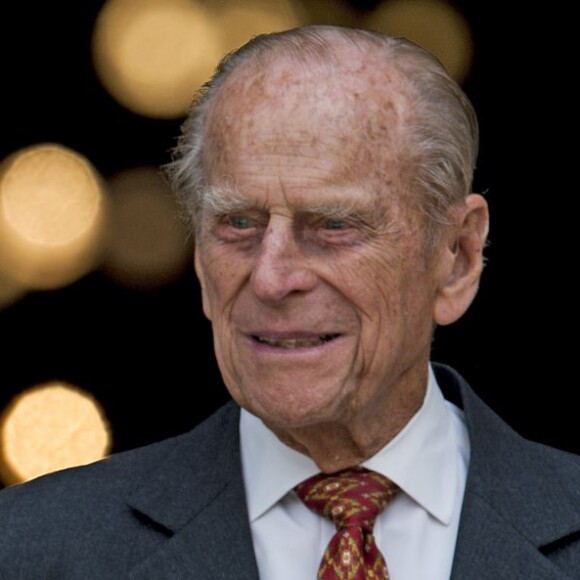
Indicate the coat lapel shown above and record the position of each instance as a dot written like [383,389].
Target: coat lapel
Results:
[197,500]
[518,504]
[490,548]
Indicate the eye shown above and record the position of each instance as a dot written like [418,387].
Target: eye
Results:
[238,226]
[238,221]
[334,224]
[335,231]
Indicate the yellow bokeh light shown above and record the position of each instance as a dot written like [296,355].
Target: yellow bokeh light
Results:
[240,21]
[50,427]
[151,55]
[51,216]
[9,292]
[148,244]
[433,24]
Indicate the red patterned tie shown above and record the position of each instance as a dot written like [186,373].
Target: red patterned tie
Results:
[352,499]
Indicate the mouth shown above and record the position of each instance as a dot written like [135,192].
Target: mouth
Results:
[299,342]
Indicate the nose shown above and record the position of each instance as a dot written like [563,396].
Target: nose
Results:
[282,268]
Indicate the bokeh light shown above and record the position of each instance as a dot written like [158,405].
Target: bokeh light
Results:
[240,21]
[152,54]
[433,24]
[9,292]
[49,427]
[52,213]
[148,244]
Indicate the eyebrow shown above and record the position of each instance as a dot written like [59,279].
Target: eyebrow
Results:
[224,200]
[347,207]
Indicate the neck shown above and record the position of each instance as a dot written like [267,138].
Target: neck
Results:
[347,443]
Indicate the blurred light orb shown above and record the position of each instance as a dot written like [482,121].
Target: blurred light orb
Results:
[9,292]
[151,55]
[148,244]
[49,427]
[240,21]
[52,214]
[435,25]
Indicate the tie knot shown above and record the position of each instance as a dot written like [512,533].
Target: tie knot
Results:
[353,497]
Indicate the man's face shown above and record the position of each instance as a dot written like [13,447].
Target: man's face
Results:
[311,261]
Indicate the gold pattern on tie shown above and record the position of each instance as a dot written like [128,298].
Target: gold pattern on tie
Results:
[352,499]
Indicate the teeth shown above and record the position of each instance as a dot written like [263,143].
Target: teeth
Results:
[295,342]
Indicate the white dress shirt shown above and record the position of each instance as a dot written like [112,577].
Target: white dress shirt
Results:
[428,459]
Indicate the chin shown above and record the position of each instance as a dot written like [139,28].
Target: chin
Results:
[292,402]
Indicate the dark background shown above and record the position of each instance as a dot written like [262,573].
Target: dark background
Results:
[147,355]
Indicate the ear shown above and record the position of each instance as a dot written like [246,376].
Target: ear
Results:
[462,260]
[202,282]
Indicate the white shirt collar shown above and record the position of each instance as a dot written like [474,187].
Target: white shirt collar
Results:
[422,459]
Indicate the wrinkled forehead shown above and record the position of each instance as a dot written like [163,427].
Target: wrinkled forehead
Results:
[337,120]
[353,93]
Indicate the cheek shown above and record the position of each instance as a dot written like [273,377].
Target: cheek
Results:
[220,280]
[392,298]
[371,284]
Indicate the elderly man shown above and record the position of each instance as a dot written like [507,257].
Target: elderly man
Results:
[328,174]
